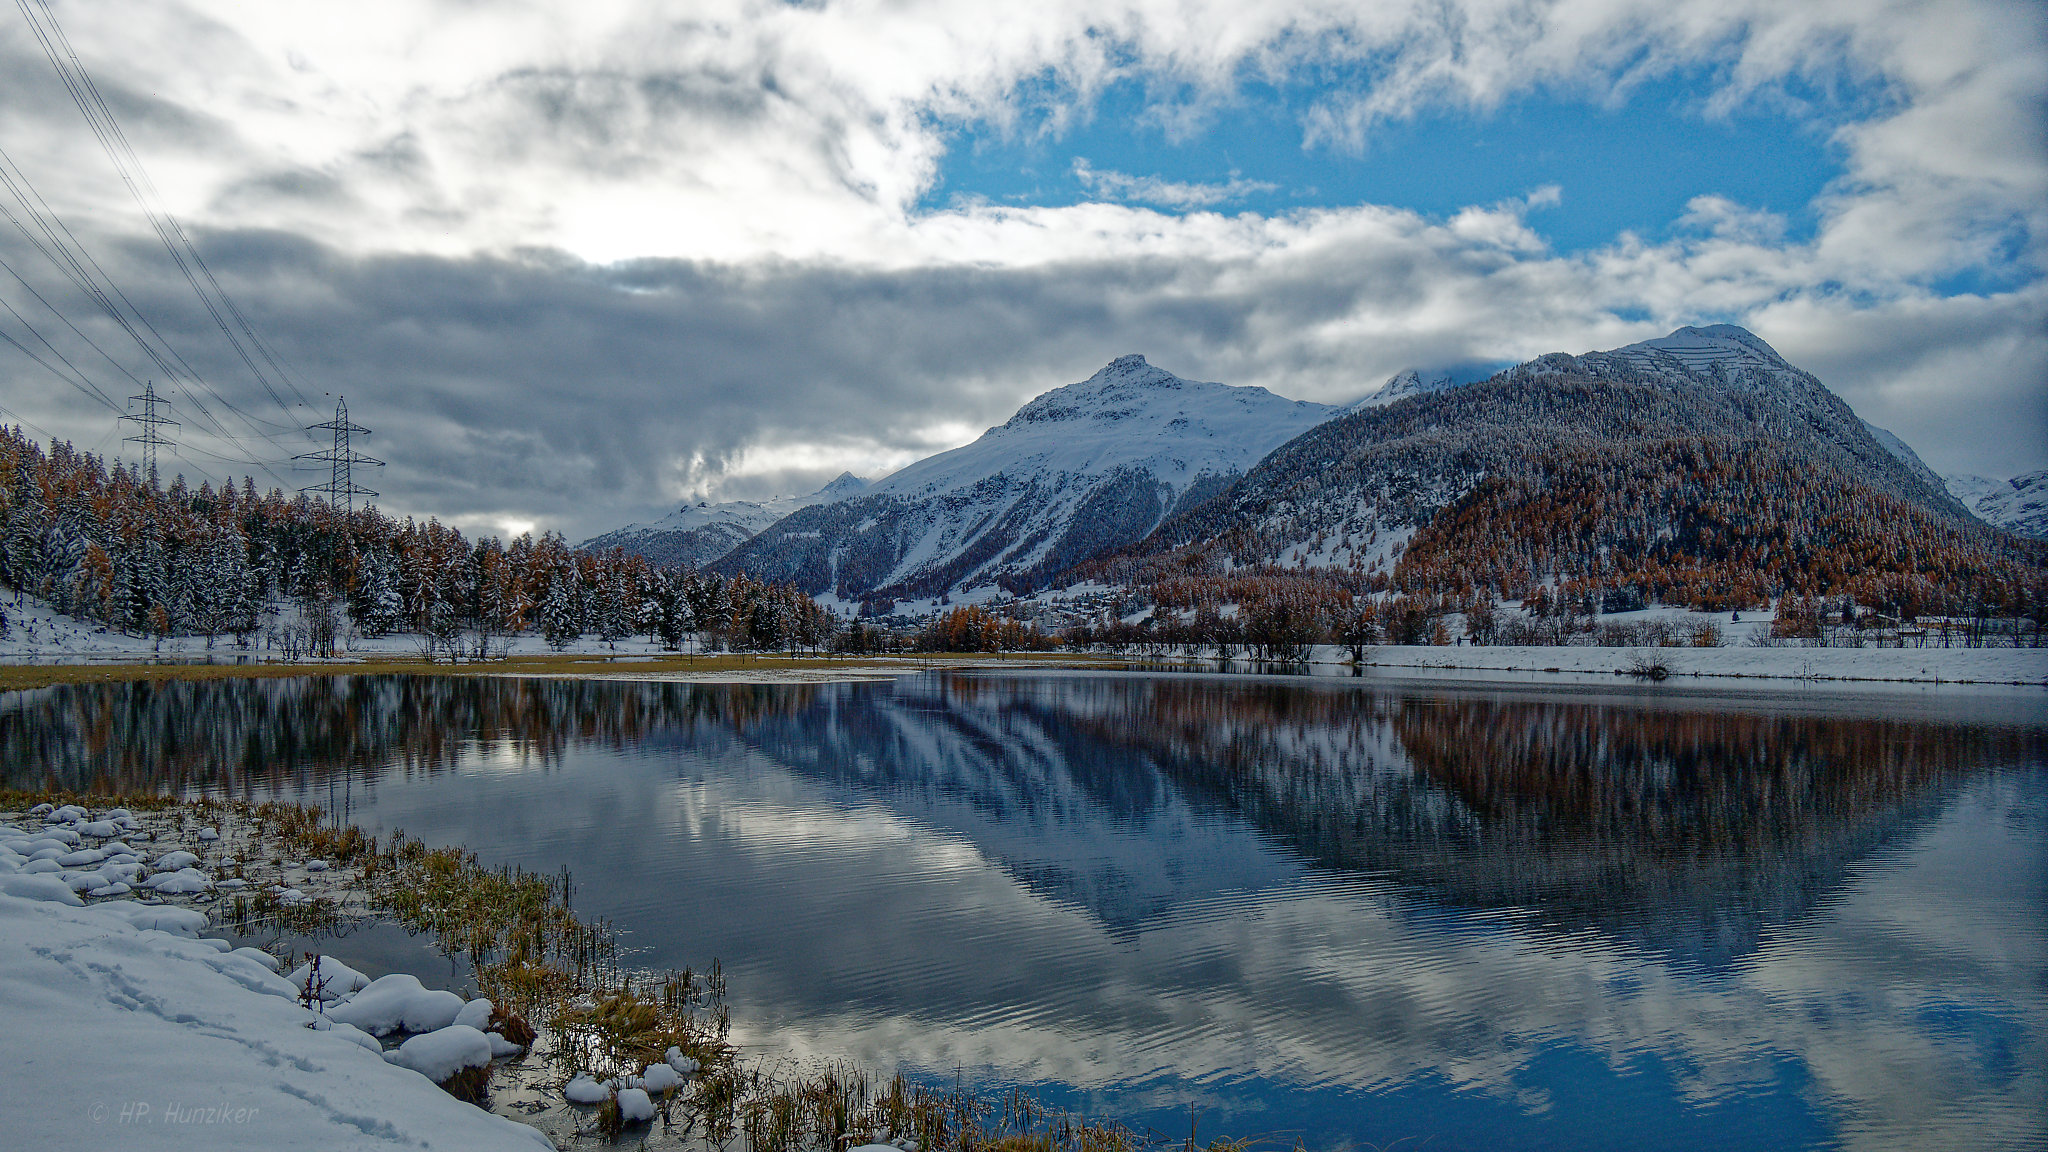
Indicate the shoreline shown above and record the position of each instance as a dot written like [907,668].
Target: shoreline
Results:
[1809,667]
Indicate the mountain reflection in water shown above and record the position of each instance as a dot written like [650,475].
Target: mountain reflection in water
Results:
[1354,914]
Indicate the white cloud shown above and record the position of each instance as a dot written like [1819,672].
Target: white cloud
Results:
[1122,186]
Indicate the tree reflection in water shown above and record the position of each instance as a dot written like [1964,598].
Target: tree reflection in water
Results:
[1686,829]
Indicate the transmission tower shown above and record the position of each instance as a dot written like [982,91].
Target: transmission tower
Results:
[149,421]
[341,489]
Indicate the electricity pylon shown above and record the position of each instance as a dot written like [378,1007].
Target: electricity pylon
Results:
[149,421]
[341,489]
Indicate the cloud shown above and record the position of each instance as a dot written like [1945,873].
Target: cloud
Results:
[1165,193]
[577,262]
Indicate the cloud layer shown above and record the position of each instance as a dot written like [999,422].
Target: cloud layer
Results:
[576,262]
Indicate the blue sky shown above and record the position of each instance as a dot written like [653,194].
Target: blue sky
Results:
[579,262]
[1627,165]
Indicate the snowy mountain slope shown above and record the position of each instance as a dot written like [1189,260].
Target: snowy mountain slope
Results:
[1343,492]
[696,534]
[2018,505]
[1904,454]
[1078,470]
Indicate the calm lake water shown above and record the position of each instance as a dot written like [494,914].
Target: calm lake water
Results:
[1355,915]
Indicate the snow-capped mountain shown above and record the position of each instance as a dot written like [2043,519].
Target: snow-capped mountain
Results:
[1078,470]
[1617,433]
[1402,385]
[2018,505]
[697,534]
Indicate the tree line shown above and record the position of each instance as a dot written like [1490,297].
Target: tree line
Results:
[100,542]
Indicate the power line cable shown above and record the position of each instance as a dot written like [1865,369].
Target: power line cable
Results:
[85,93]
[66,252]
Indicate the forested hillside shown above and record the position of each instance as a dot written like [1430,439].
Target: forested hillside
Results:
[1720,478]
[101,543]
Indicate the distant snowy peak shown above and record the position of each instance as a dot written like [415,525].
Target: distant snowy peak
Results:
[1402,385]
[1129,415]
[752,515]
[2018,505]
[699,533]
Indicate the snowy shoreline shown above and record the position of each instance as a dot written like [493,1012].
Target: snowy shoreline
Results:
[129,1029]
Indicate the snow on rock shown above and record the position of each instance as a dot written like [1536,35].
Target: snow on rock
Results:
[398,1003]
[47,888]
[337,980]
[172,861]
[659,1078]
[206,1062]
[687,1065]
[183,882]
[583,1090]
[442,1053]
[475,1014]
[503,1047]
[635,1107]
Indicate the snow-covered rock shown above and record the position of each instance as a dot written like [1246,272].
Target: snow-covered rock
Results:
[183,882]
[38,887]
[659,1078]
[635,1107]
[584,1090]
[442,1053]
[398,1003]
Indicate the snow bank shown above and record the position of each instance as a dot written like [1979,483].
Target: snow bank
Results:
[214,1050]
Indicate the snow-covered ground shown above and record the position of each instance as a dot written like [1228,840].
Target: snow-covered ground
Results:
[38,633]
[123,1030]
[1913,665]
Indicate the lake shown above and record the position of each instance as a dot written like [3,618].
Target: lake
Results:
[1349,914]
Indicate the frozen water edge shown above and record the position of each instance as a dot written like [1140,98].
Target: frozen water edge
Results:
[212,1054]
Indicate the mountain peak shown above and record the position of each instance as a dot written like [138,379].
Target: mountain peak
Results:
[845,484]
[1698,347]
